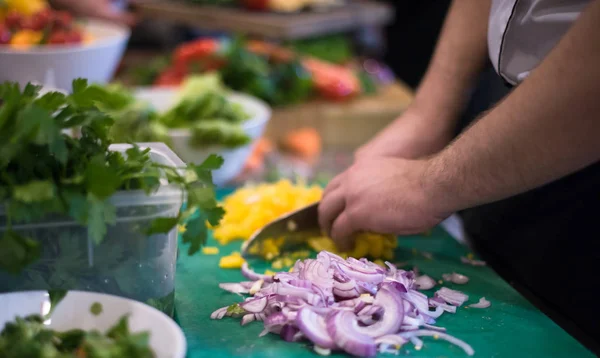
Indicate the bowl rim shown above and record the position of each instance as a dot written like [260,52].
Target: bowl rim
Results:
[161,317]
[123,34]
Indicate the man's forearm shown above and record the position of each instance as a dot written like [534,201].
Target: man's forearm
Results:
[547,128]
[458,59]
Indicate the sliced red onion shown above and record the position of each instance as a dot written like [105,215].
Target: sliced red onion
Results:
[444,306]
[391,269]
[286,289]
[472,262]
[435,328]
[372,277]
[393,339]
[416,342]
[255,305]
[301,283]
[367,287]
[424,333]
[451,296]
[344,329]
[322,351]
[483,303]
[248,318]
[425,282]
[288,332]
[392,317]
[320,301]
[314,328]
[276,319]
[455,278]
[219,314]
[251,275]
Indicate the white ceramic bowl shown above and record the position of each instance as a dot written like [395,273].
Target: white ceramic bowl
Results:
[164,98]
[57,66]
[166,338]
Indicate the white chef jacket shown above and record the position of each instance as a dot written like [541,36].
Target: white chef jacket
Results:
[522,32]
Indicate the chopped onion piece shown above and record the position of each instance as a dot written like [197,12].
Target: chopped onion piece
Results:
[451,296]
[248,318]
[425,282]
[423,332]
[219,314]
[472,262]
[455,278]
[322,351]
[236,288]
[483,303]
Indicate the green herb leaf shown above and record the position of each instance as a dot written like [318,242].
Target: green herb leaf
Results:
[34,191]
[17,252]
[235,309]
[162,225]
[102,181]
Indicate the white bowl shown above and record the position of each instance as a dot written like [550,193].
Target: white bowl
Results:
[57,65]
[164,98]
[73,312]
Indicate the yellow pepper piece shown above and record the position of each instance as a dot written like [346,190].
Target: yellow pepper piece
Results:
[25,39]
[270,273]
[379,262]
[26,7]
[210,250]
[277,264]
[231,262]
[181,228]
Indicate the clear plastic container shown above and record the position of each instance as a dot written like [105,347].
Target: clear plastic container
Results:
[127,263]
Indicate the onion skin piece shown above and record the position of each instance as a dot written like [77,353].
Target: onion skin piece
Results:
[483,303]
[343,327]
[314,328]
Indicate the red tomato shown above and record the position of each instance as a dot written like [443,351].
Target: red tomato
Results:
[5,35]
[195,50]
[170,77]
[58,37]
[74,37]
[62,20]
[259,5]
[41,20]
[13,20]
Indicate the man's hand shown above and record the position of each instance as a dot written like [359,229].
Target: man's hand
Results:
[411,136]
[101,9]
[382,195]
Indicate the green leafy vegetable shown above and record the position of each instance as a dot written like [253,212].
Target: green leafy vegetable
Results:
[235,309]
[202,106]
[29,337]
[46,173]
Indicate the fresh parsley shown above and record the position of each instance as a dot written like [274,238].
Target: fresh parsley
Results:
[45,172]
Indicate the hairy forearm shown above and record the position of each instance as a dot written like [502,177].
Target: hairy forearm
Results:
[547,128]
[458,59]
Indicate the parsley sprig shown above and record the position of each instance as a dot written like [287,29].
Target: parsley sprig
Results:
[45,172]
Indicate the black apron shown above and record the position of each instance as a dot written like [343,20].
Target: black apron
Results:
[545,242]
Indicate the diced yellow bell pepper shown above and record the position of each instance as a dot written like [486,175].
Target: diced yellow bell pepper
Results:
[231,262]
[277,264]
[26,7]
[210,250]
[270,273]
[24,39]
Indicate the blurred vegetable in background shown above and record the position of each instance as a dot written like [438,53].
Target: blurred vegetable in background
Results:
[202,106]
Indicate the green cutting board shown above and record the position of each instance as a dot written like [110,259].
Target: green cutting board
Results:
[511,327]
